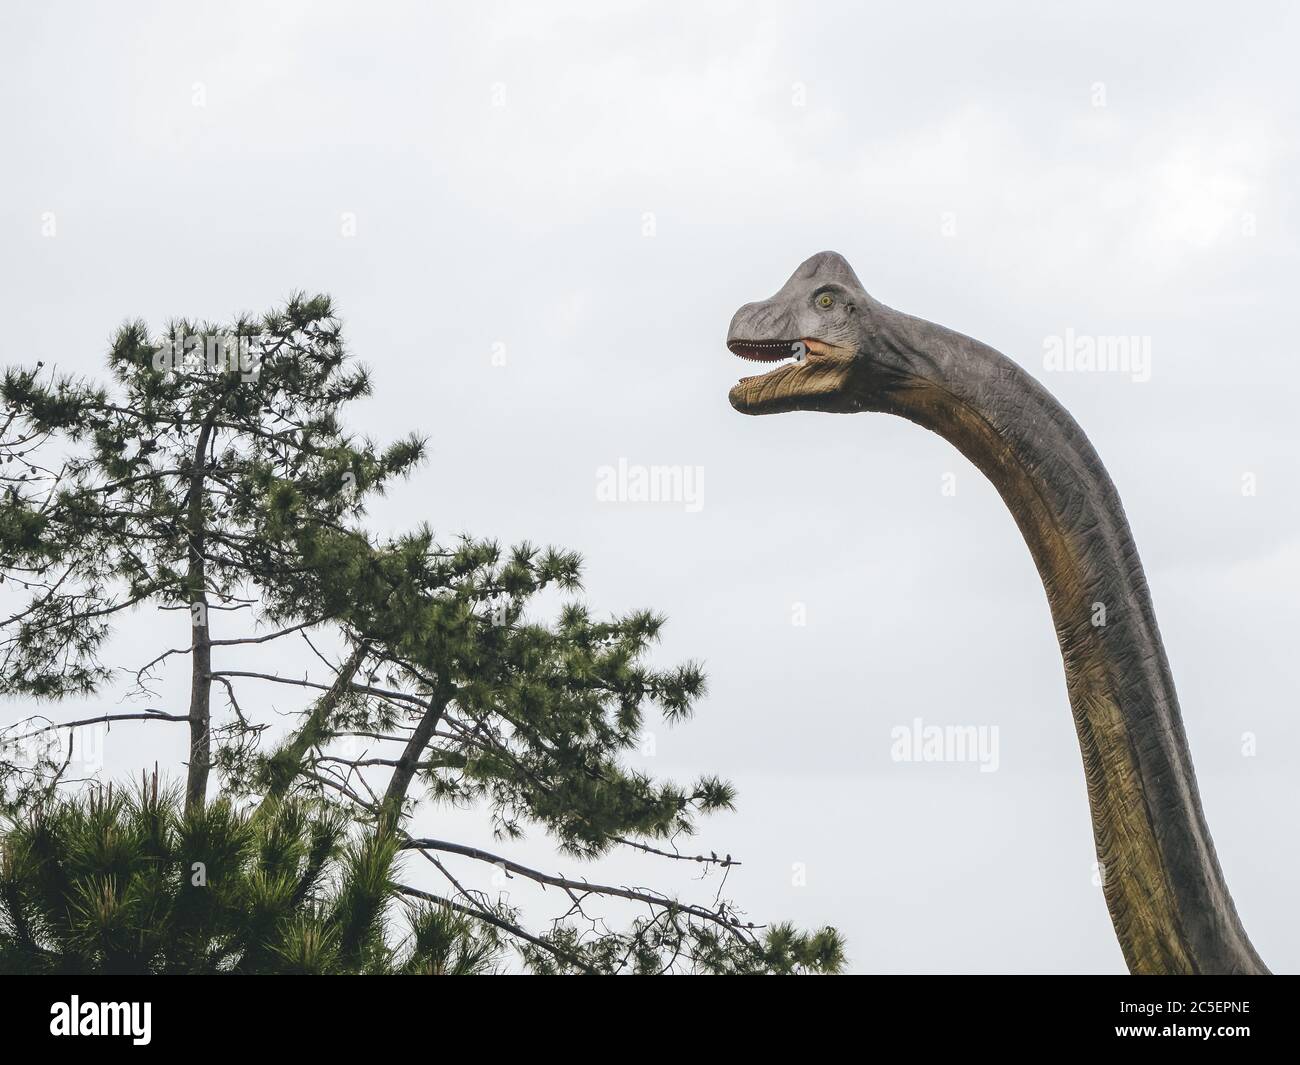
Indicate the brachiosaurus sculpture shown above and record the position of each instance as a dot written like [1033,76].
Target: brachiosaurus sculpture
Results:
[1166,894]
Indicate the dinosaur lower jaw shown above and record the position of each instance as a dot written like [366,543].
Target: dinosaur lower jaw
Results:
[811,375]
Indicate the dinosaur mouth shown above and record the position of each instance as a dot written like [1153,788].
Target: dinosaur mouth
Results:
[782,354]
[767,350]
[804,374]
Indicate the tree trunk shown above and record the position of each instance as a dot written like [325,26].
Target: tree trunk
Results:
[283,765]
[405,771]
[196,783]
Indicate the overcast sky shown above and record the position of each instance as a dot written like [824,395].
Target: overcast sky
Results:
[537,220]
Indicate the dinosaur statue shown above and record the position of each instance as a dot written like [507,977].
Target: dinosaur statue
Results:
[1166,894]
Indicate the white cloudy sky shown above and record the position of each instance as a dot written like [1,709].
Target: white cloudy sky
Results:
[957,156]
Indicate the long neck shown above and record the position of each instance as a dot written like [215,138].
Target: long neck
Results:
[1166,894]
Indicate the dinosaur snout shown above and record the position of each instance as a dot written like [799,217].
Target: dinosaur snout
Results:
[764,331]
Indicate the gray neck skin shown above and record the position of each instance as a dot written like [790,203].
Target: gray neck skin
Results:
[1166,894]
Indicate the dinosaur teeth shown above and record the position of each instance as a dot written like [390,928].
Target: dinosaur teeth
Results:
[763,350]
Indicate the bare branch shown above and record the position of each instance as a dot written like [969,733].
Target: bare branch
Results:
[147,715]
[719,916]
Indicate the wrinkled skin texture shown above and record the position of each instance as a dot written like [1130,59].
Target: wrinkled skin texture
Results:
[1166,894]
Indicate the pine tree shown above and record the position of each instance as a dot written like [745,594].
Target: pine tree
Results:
[215,477]
[187,484]
[130,882]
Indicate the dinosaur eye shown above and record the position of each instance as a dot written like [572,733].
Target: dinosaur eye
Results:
[825,300]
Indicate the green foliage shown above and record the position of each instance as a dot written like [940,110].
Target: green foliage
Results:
[113,883]
[655,945]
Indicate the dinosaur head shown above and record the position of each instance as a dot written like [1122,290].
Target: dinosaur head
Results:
[813,327]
